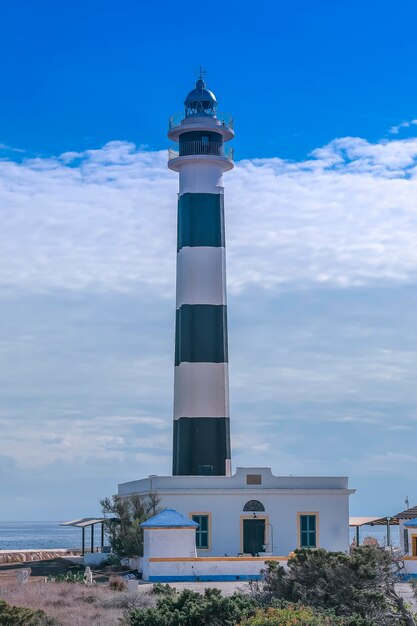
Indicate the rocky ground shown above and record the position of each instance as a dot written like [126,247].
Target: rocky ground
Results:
[9,572]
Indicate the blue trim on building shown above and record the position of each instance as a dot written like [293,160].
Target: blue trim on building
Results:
[203,578]
[412,523]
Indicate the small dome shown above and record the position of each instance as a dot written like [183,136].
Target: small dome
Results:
[200,101]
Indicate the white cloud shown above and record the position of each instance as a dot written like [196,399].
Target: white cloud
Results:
[389,461]
[394,130]
[83,440]
[4,147]
[104,219]
[322,325]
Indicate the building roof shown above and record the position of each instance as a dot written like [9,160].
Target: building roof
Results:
[85,521]
[412,523]
[168,518]
[372,521]
[200,93]
[365,521]
[238,483]
[408,513]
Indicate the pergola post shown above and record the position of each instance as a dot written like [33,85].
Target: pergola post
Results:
[85,522]
[357,536]
[388,532]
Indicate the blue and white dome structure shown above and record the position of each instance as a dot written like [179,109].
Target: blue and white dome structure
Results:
[200,101]
[201,384]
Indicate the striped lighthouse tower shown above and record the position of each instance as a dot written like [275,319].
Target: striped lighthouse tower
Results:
[201,388]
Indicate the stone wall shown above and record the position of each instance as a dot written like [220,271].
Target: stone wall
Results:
[26,556]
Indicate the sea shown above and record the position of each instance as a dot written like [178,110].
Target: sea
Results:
[377,532]
[49,535]
[41,535]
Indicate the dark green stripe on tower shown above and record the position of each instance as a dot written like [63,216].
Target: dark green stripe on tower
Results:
[201,445]
[200,220]
[201,334]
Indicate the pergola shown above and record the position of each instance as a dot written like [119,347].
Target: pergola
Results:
[83,523]
[357,522]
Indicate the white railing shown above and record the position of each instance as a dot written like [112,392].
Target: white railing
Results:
[190,148]
[221,119]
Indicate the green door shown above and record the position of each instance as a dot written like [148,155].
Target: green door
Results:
[253,535]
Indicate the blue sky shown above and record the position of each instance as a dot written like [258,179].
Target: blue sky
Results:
[295,74]
[321,235]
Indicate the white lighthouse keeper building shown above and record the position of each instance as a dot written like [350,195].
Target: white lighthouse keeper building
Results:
[251,512]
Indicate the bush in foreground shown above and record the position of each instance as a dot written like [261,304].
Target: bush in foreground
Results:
[294,615]
[195,609]
[360,585]
[212,609]
[18,616]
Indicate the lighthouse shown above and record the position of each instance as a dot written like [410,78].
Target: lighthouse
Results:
[213,513]
[201,444]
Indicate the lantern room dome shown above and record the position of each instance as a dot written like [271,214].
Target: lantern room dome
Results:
[200,101]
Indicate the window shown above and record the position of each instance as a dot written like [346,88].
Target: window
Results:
[308,531]
[205,144]
[254,505]
[202,532]
[406,544]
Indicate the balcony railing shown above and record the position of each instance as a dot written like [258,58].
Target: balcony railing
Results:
[221,119]
[190,148]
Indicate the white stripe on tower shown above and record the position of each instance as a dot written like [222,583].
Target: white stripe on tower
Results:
[201,390]
[201,395]
[207,178]
[201,276]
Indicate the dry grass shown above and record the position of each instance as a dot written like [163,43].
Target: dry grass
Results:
[75,604]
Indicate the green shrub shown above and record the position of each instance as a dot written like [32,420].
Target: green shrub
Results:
[360,586]
[297,615]
[195,609]
[126,513]
[112,561]
[18,616]
[67,577]
[159,589]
